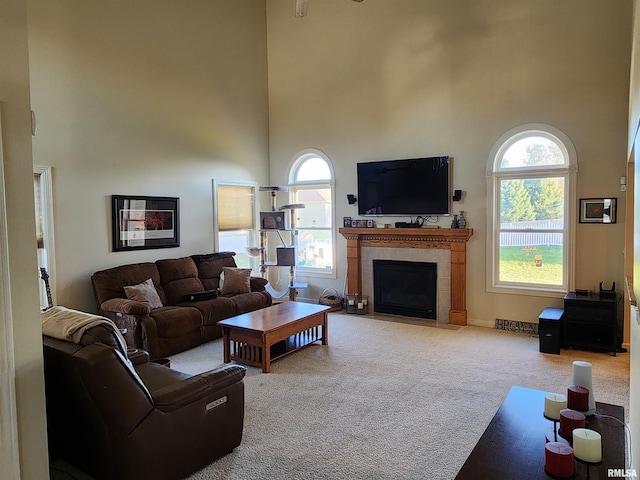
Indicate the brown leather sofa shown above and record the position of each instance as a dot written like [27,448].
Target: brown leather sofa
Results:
[190,307]
[118,419]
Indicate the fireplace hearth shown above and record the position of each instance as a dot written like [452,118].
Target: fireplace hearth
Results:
[405,288]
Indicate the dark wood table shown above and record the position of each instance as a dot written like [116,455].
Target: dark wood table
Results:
[257,338]
[512,446]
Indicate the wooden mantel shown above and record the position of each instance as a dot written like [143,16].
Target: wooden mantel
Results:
[454,239]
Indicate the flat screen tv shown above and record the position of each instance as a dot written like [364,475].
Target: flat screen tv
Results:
[411,187]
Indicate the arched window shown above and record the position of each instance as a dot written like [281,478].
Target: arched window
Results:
[311,183]
[531,213]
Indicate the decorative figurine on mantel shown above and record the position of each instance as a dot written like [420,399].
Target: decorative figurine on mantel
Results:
[462,222]
[454,222]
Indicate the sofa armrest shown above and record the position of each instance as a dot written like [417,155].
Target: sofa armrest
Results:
[222,377]
[125,306]
[137,356]
[192,389]
[257,284]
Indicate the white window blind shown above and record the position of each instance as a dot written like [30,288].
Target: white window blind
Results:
[235,207]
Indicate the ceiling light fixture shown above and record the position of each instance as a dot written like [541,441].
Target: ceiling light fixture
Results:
[301,8]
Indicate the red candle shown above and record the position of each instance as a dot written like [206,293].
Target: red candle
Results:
[570,419]
[578,398]
[558,459]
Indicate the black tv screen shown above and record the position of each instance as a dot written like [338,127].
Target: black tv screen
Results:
[417,186]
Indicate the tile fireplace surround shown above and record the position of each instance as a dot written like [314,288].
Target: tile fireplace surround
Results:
[444,246]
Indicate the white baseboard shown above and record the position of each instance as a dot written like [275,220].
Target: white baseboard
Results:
[477,322]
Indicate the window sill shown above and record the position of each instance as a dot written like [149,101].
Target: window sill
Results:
[301,272]
[528,291]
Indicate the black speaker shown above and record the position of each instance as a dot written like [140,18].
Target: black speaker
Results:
[550,330]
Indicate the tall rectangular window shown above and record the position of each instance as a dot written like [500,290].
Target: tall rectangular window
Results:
[531,231]
[531,189]
[315,248]
[235,220]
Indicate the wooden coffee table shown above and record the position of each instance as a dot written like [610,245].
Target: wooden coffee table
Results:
[512,446]
[257,338]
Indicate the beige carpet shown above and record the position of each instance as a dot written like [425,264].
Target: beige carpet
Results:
[388,399]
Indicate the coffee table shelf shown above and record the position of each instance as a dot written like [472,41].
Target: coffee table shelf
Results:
[296,342]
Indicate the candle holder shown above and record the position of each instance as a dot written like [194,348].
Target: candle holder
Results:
[553,431]
[555,477]
[588,464]
[551,434]
[362,305]
[352,305]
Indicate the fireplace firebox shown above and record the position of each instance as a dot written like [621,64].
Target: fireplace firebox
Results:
[405,288]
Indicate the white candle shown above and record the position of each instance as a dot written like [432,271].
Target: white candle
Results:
[553,403]
[583,376]
[587,445]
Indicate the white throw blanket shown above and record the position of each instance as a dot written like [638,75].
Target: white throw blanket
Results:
[67,324]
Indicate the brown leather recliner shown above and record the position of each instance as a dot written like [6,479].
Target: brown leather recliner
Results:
[117,418]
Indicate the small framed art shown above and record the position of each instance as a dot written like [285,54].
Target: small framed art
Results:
[598,210]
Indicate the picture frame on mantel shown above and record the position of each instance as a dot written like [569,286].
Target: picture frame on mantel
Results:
[142,222]
[598,210]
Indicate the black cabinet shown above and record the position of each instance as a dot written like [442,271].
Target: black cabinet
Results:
[591,322]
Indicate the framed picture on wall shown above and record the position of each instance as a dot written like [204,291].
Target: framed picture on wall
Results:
[598,210]
[140,222]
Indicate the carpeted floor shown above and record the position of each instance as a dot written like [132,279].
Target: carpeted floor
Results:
[388,399]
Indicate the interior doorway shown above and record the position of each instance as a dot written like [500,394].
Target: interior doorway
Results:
[43,192]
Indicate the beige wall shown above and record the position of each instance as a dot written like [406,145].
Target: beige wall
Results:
[634,98]
[20,284]
[381,80]
[143,98]
[634,157]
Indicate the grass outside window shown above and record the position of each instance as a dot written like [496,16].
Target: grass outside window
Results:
[540,264]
